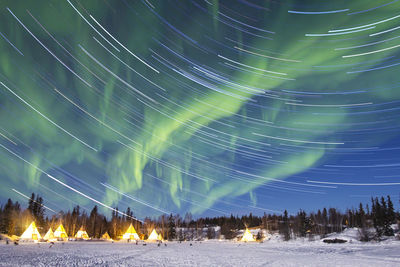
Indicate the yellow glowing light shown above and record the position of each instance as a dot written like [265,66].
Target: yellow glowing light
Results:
[31,233]
[153,236]
[49,236]
[131,234]
[106,236]
[82,234]
[60,233]
[247,236]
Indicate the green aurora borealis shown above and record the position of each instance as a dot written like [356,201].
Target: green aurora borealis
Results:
[200,106]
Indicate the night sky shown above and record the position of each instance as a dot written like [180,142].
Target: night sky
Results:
[208,107]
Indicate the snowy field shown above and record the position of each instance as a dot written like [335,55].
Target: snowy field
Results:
[208,253]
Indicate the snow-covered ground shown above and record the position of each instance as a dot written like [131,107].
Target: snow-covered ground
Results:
[207,253]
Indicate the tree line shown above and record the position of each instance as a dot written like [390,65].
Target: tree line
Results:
[380,217]
[372,222]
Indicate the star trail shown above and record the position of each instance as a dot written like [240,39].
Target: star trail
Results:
[208,107]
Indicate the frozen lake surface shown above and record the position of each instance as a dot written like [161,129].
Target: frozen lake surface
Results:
[207,253]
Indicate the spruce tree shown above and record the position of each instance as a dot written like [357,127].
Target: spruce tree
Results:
[391,214]
[39,216]
[75,219]
[377,217]
[31,203]
[171,228]
[9,220]
[180,235]
[93,222]
[361,216]
[303,223]
[382,218]
[386,219]
[284,227]
[325,222]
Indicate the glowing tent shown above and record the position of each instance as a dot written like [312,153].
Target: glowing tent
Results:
[131,234]
[106,236]
[60,233]
[160,237]
[247,236]
[49,236]
[31,233]
[82,234]
[153,236]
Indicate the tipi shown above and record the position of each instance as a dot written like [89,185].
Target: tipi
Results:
[31,233]
[49,236]
[153,236]
[82,234]
[60,233]
[131,234]
[106,236]
[247,236]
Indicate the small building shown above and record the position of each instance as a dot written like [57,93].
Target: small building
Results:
[106,237]
[60,233]
[131,234]
[49,236]
[247,236]
[154,236]
[31,233]
[82,234]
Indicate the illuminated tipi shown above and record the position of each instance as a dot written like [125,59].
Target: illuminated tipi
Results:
[247,236]
[31,233]
[49,236]
[131,234]
[160,237]
[153,236]
[106,236]
[60,233]
[82,234]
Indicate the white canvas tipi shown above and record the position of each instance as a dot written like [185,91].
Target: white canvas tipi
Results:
[49,236]
[60,233]
[106,236]
[247,236]
[153,236]
[31,233]
[131,234]
[82,234]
